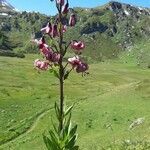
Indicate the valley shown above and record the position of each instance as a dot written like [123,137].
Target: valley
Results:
[111,103]
[119,95]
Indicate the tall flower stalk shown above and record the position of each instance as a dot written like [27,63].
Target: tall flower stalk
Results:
[64,135]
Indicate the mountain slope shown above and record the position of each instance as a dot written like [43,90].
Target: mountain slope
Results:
[6,9]
[121,22]
[107,29]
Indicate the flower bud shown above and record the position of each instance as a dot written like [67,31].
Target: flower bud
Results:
[60,2]
[66,8]
[64,29]
[54,32]
[77,46]
[72,20]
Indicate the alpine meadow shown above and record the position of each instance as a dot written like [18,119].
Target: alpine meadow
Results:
[89,89]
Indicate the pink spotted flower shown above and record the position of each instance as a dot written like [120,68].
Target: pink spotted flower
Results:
[41,43]
[77,46]
[47,29]
[53,57]
[74,61]
[41,65]
[78,64]
[82,67]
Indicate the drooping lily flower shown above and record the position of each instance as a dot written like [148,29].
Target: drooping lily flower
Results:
[41,43]
[74,61]
[66,8]
[78,64]
[46,52]
[77,46]
[47,29]
[54,32]
[72,20]
[60,2]
[82,67]
[50,55]
[42,65]
[55,57]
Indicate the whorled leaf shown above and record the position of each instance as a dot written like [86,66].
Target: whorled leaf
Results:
[57,111]
[68,110]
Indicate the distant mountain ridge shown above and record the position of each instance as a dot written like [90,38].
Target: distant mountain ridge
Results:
[6,8]
[110,28]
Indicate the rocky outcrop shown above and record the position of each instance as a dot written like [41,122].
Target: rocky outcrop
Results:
[127,9]
[6,9]
[94,27]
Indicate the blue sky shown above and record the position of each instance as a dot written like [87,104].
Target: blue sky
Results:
[47,7]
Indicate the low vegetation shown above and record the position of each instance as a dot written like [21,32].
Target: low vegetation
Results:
[107,101]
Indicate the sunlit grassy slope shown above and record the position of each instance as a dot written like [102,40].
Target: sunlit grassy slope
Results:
[107,101]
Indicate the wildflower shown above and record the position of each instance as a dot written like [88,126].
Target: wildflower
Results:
[82,67]
[41,43]
[47,29]
[72,20]
[54,32]
[55,57]
[77,46]
[78,64]
[64,29]
[42,65]
[60,2]
[66,8]
[74,61]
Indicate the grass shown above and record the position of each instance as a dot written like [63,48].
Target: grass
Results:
[107,101]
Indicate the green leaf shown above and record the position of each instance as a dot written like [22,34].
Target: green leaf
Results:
[72,142]
[73,131]
[68,110]
[47,142]
[54,126]
[68,125]
[57,111]
[54,139]
[75,148]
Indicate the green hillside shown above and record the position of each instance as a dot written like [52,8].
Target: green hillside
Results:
[107,101]
[107,30]
[111,102]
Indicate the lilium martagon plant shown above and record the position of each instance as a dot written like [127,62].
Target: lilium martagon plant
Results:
[63,136]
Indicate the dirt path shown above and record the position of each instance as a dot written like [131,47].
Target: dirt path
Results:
[113,91]
[37,120]
[32,127]
[121,87]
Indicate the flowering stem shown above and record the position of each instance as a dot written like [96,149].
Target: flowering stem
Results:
[61,73]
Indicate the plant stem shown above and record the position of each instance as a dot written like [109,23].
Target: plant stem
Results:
[61,73]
